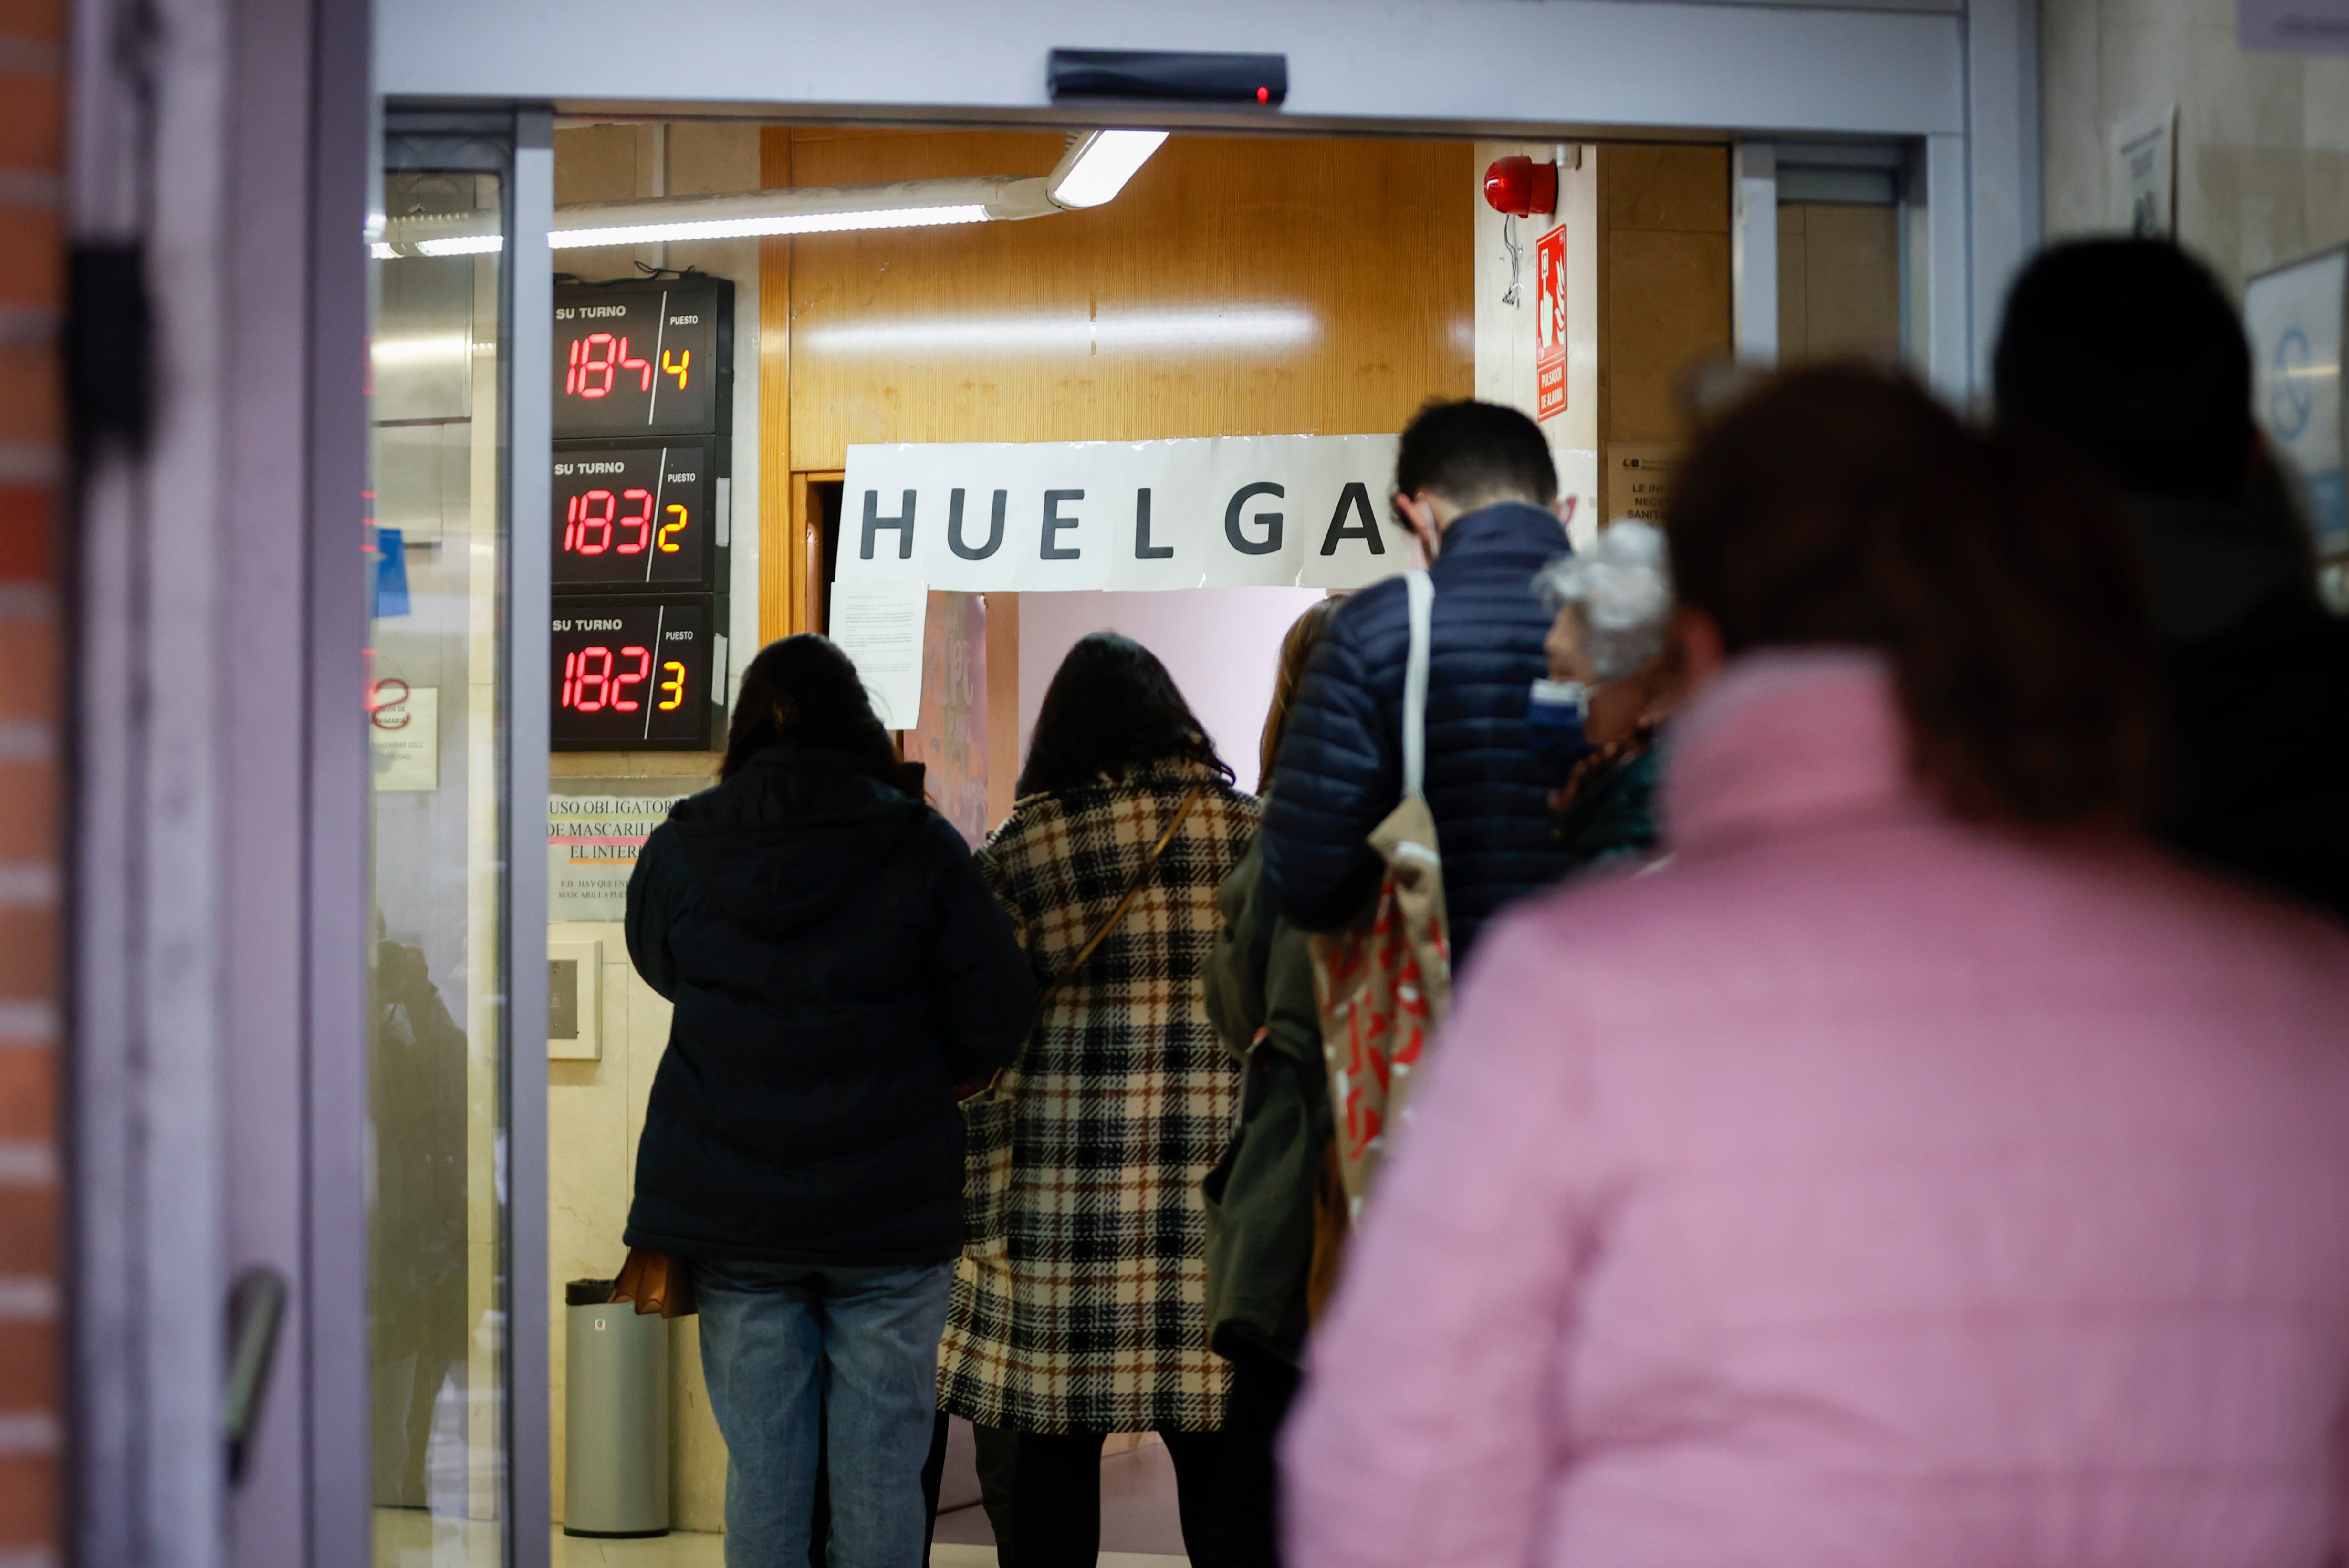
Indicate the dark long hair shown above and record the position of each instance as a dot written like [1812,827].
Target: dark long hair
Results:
[1843,505]
[1111,708]
[1297,645]
[803,691]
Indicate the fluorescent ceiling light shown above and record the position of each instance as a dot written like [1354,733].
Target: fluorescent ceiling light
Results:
[462,245]
[775,223]
[402,350]
[1241,329]
[1098,167]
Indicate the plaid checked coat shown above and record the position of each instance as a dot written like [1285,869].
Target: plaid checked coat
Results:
[1087,1312]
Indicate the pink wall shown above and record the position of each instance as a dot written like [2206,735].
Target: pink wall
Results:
[1221,645]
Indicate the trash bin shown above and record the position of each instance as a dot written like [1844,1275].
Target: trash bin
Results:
[616,1422]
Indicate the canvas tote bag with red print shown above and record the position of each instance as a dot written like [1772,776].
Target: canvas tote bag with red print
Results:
[1385,985]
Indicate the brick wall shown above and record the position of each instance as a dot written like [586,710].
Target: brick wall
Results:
[31,161]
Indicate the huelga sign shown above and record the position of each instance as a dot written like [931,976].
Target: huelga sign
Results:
[1034,517]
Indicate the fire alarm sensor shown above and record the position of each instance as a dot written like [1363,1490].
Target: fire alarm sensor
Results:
[1520,186]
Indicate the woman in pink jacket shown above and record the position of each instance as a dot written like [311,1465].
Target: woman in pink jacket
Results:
[1914,1169]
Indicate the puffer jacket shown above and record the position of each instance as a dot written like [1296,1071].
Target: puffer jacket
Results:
[1865,1187]
[1340,767]
[837,966]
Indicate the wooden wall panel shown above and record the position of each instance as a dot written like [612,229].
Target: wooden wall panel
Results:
[782,591]
[1236,286]
[1664,282]
[1838,284]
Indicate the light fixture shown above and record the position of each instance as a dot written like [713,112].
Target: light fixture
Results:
[1094,169]
[777,223]
[1097,167]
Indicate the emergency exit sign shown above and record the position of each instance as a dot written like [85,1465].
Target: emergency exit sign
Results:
[1549,323]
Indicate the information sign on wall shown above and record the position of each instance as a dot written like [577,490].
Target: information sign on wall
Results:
[2294,317]
[1550,324]
[1029,517]
[591,845]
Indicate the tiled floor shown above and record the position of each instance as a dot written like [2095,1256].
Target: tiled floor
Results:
[1139,1530]
[407,1538]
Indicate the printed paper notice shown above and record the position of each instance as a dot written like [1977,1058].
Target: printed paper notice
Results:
[879,626]
[591,845]
[404,735]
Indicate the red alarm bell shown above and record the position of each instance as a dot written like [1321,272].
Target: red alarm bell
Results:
[1520,186]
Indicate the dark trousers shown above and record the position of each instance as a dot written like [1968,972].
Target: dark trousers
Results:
[1247,1529]
[1056,1495]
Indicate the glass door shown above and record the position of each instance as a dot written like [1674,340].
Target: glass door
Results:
[439,714]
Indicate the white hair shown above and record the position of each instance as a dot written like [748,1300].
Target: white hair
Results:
[1624,585]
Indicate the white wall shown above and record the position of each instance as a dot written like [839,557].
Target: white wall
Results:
[1222,646]
[1505,344]
[2262,139]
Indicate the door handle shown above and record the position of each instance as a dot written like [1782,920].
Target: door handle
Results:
[256,1307]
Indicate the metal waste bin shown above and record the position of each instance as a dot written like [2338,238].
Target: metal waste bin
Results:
[615,1417]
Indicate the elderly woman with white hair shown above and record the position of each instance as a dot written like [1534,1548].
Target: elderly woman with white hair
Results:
[1614,605]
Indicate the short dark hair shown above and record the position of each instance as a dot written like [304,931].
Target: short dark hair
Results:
[1842,506]
[2129,353]
[802,690]
[1473,454]
[1111,708]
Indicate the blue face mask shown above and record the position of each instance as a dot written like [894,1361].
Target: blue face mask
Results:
[1555,711]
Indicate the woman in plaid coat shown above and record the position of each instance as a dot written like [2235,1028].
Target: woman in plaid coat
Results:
[1083,1312]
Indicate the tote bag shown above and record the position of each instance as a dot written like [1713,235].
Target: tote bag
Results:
[1383,986]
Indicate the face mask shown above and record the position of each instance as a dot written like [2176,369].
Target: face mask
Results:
[1555,711]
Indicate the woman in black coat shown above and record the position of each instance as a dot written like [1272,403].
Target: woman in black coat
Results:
[837,968]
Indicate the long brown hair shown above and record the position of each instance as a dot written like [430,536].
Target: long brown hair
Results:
[1843,505]
[1111,710]
[1297,645]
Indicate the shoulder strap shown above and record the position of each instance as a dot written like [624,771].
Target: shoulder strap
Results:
[1420,589]
[1132,891]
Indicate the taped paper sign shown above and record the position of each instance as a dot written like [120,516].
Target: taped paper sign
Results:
[591,845]
[1226,512]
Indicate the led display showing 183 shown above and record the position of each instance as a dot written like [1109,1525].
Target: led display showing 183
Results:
[649,358]
[635,674]
[637,515]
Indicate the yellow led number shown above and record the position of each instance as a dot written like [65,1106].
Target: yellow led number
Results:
[683,359]
[672,686]
[668,545]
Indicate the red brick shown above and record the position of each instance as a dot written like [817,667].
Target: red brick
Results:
[28,1102]
[29,1231]
[29,954]
[27,532]
[32,257]
[32,133]
[30,402]
[28,1503]
[28,1366]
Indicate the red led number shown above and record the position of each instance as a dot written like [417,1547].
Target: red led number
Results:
[642,523]
[582,523]
[601,354]
[590,684]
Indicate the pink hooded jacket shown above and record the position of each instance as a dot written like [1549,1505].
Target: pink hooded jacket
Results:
[1858,1187]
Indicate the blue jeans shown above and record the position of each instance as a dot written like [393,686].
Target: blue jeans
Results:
[786,1347]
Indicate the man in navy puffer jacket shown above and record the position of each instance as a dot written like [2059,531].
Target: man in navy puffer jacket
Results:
[1475,483]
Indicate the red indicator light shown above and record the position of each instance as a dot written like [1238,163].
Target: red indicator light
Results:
[1264,95]
[1520,186]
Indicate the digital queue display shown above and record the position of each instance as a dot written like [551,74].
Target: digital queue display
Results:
[634,515]
[651,357]
[636,674]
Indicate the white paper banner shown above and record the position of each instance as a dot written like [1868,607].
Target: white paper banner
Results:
[1225,511]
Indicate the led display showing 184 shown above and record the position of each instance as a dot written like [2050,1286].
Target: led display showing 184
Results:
[644,358]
